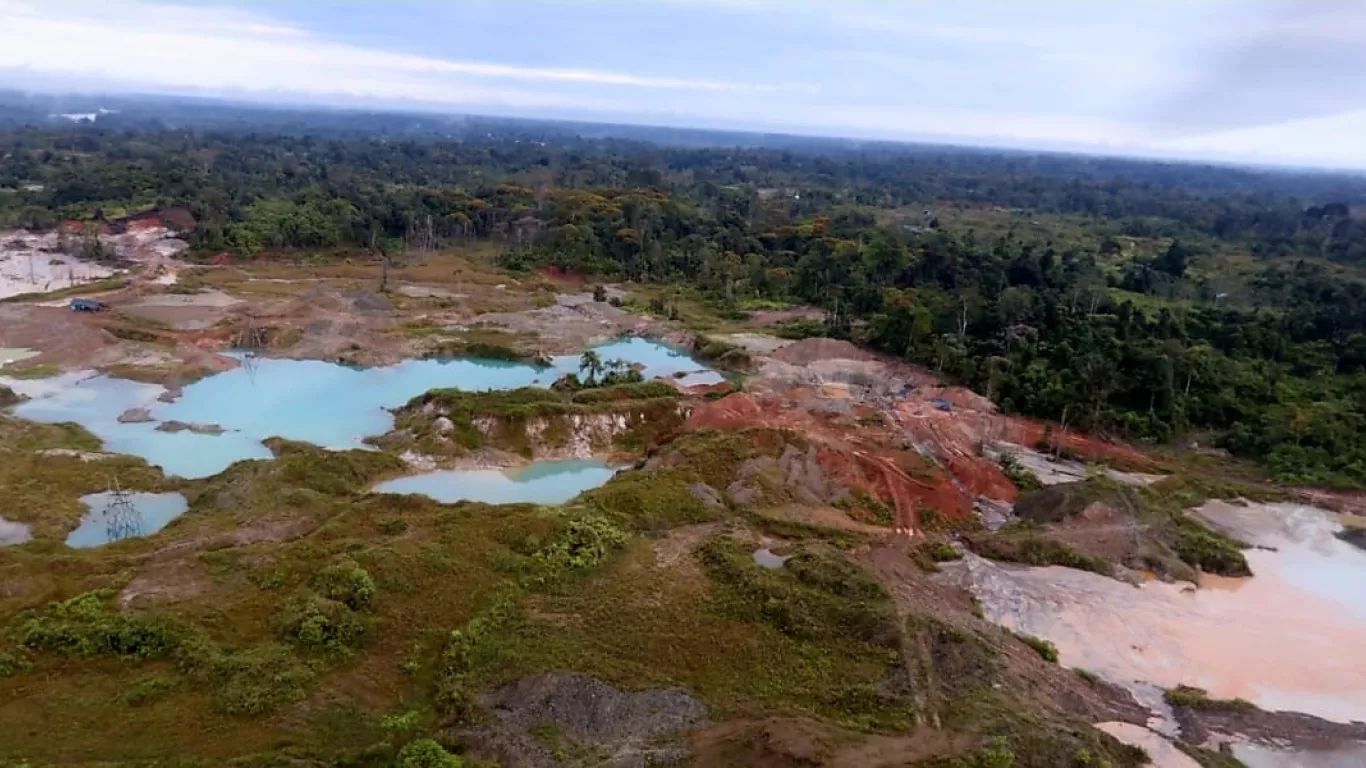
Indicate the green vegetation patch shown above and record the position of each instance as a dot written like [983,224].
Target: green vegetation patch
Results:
[251,682]
[649,408]
[721,354]
[1031,549]
[1198,698]
[1046,650]
[815,596]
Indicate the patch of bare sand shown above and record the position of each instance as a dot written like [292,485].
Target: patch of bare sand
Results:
[1161,752]
[674,549]
[808,351]
[168,581]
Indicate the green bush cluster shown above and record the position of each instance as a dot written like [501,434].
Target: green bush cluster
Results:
[815,597]
[721,354]
[318,625]
[1198,698]
[585,543]
[11,665]
[426,753]
[1037,550]
[81,627]
[469,649]
[1210,551]
[1018,474]
[1046,650]
[347,583]
[251,682]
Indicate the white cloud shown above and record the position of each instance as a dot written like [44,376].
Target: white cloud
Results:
[211,48]
[1333,140]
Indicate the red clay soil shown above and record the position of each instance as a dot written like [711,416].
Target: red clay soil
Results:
[956,435]
[736,411]
[863,458]
[561,274]
[873,458]
[701,390]
[884,478]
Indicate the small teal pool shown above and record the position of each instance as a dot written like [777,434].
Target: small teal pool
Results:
[138,514]
[542,482]
[330,405]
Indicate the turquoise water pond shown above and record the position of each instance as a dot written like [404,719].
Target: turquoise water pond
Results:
[542,482]
[330,405]
[145,514]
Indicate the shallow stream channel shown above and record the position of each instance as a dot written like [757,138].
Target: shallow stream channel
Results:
[224,418]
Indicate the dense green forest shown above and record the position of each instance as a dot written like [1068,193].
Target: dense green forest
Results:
[1153,301]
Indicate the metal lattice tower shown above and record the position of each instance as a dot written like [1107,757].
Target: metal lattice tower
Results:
[122,520]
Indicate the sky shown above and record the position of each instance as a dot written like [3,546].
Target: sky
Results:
[1270,81]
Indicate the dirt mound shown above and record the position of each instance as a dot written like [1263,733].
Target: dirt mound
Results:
[808,351]
[735,411]
[832,458]
[627,729]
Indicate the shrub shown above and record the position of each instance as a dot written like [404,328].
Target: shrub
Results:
[1198,698]
[1037,550]
[426,753]
[146,690]
[1046,650]
[255,682]
[798,329]
[10,665]
[469,649]
[487,351]
[944,552]
[81,627]
[1018,474]
[815,597]
[585,543]
[346,582]
[720,354]
[403,723]
[320,626]
[249,682]
[392,526]
[1208,549]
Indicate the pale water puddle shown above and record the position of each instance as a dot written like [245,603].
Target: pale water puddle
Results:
[141,514]
[1257,756]
[12,533]
[1289,638]
[542,482]
[14,354]
[764,558]
[333,406]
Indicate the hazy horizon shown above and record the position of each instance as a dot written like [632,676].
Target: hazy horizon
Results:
[1262,83]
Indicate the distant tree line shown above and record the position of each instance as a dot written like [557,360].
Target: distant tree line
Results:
[1044,325]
